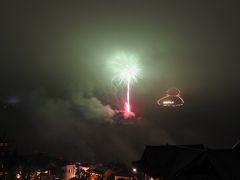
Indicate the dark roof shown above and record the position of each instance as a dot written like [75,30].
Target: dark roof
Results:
[225,163]
[124,173]
[237,145]
[194,146]
[170,160]
[159,160]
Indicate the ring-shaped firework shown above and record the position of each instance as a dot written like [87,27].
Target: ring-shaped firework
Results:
[171,99]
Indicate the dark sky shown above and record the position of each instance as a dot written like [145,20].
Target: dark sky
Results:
[56,85]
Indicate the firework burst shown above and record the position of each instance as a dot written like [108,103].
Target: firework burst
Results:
[126,71]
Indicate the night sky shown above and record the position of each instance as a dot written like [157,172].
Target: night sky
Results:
[56,84]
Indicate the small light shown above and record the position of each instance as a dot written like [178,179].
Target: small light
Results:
[134,170]
[18,176]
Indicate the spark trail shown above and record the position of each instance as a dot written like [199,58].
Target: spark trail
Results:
[126,71]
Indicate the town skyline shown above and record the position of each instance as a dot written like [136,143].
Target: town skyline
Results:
[57,94]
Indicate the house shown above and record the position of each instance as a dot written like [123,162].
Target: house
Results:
[8,157]
[124,173]
[96,171]
[69,171]
[187,162]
